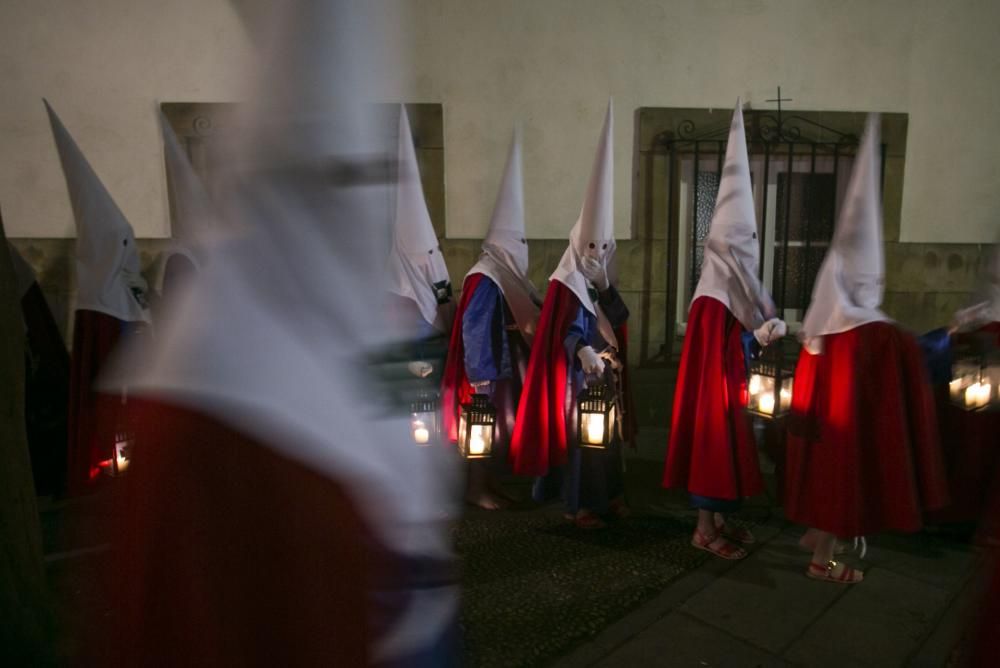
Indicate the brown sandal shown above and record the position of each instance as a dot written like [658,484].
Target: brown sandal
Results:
[727,550]
[847,576]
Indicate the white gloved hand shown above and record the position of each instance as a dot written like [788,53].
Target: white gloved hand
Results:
[590,361]
[770,331]
[593,270]
[969,318]
[420,369]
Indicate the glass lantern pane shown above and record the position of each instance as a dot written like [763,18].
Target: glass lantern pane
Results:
[593,428]
[760,394]
[785,396]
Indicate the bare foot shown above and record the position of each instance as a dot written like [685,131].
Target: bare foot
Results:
[808,542]
[485,500]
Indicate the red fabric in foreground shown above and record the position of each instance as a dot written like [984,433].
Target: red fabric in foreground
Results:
[711,450]
[455,387]
[232,555]
[862,453]
[92,416]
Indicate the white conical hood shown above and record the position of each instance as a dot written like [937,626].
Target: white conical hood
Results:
[848,290]
[505,249]
[729,272]
[594,231]
[108,276]
[416,267]
[193,213]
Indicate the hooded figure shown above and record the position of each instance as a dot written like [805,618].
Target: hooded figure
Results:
[46,374]
[581,330]
[969,438]
[276,509]
[494,325]
[862,449]
[712,452]
[193,216]
[417,272]
[110,303]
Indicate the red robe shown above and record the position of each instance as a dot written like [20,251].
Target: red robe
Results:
[541,437]
[971,445]
[231,554]
[712,451]
[93,416]
[455,387]
[862,451]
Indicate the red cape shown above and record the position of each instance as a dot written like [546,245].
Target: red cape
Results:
[541,438]
[92,416]
[230,554]
[863,454]
[712,451]
[455,387]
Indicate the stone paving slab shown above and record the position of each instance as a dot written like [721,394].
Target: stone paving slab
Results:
[911,610]
[877,623]
[766,600]
[680,640]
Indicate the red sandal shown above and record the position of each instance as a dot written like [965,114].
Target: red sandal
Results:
[586,520]
[847,575]
[726,550]
[739,534]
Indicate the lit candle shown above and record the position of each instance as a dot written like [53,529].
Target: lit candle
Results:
[755,384]
[477,443]
[766,403]
[121,459]
[985,390]
[955,387]
[595,428]
[421,435]
[972,395]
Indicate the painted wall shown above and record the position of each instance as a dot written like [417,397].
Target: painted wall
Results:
[550,64]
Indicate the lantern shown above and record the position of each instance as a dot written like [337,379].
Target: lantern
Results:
[975,383]
[122,454]
[769,388]
[597,415]
[476,423]
[423,419]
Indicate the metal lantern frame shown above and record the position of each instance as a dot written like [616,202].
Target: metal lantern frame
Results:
[597,416]
[424,417]
[121,454]
[975,383]
[479,412]
[769,383]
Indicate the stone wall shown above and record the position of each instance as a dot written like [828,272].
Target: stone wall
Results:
[925,282]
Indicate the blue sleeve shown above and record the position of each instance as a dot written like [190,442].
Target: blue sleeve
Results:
[936,346]
[483,333]
[751,348]
[578,332]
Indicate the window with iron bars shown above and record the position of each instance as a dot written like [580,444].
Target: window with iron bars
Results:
[800,164]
